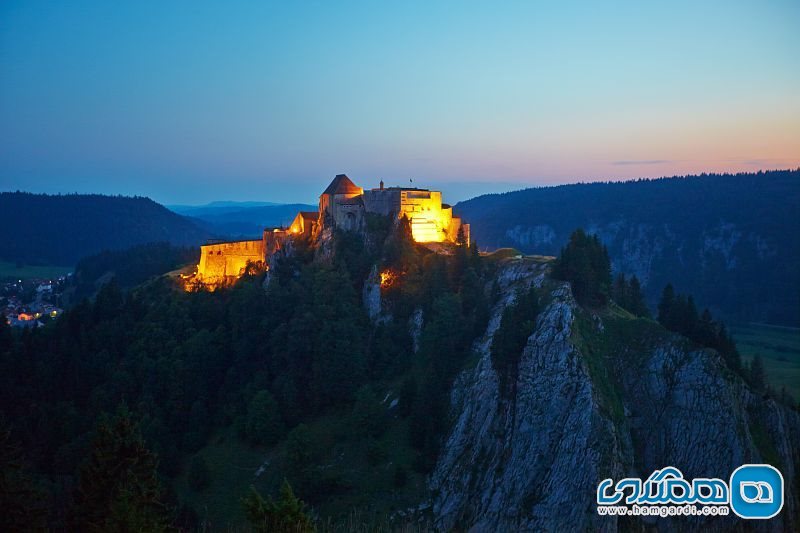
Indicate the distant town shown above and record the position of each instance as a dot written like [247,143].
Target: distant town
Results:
[31,303]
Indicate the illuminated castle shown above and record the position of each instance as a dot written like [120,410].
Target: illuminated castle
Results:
[342,205]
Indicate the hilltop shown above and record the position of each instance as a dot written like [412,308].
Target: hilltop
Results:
[729,239]
[43,229]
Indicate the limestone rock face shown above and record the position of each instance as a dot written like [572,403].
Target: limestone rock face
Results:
[532,459]
[371,294]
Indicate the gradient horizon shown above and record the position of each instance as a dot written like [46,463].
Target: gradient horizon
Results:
[190,102]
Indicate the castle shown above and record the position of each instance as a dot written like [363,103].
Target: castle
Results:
[342,205]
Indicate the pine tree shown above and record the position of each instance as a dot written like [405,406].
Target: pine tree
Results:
[726,346]
[636,298]
[706,330]
[619,291]
[475,261]
[758,378]
[286,515]
[690,319]
[118,488]
[666,307]
[585,263]
[460,262]
[461,239]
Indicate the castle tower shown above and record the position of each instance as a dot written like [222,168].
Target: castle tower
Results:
[342,202]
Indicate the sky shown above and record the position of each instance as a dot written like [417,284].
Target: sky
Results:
[190,102]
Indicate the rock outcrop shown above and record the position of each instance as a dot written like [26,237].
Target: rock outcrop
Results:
[598,396]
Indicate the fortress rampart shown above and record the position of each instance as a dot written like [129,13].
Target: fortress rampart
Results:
[344,205]
[228,259]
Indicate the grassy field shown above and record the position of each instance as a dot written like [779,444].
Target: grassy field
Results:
[9,271]
[780,350]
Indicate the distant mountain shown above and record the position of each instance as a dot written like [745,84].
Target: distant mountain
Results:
[215,208]
[731,240]
[61,229]
[238,221]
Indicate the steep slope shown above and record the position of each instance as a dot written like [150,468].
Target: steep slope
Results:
[597,396]
[735,240]
[61,229]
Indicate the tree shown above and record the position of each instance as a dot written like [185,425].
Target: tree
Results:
[118,488]
[516,325]
[619,291]
[678,313]
[461,239]
[585,263]
[758,378]
[286,515]
[20,499]
[399,250]
[707,329]
[666,307]
[636,302]
[263,424]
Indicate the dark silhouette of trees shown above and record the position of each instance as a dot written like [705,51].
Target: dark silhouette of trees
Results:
[584,262]
[627,292]
[20,500]
[758,376]
[678,313]
[517,324]
[61,229]
[287,514]
[118,488]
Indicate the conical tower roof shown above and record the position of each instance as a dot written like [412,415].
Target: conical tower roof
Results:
[341,184]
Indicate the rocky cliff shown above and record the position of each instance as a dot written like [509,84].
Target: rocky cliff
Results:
[598,395]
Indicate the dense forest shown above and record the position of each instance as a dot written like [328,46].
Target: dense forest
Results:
[299,370]
[731,240]
[40,229]
[129,267]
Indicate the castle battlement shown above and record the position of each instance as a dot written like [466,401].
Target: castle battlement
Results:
[343,205]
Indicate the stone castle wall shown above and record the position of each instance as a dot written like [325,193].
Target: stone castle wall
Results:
[228,259]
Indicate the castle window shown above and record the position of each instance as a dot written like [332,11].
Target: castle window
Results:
[350,221]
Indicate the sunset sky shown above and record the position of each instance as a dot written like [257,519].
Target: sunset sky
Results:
[188,102]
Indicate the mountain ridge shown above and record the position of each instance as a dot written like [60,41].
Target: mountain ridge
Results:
[729,247]
[61,229]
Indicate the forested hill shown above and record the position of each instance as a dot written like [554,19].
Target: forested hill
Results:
[731,240]
[61,229]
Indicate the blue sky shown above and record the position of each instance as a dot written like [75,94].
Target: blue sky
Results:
[188,102]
